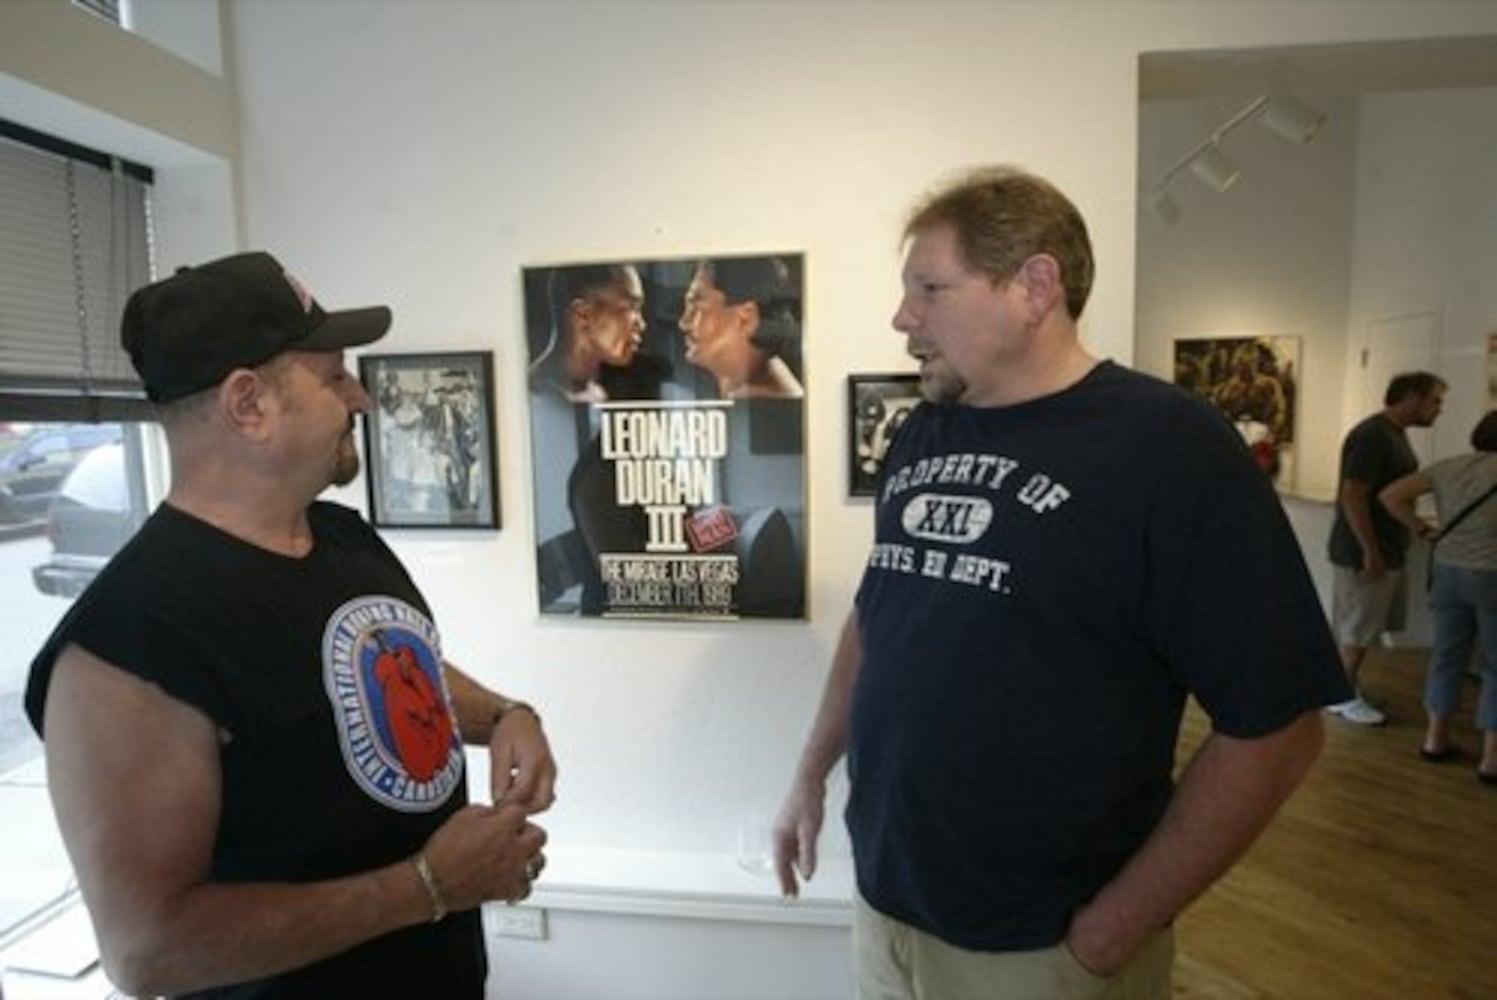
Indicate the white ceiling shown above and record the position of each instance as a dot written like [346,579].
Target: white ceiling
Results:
[1321,70]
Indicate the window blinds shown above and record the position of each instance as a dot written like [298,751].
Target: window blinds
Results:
[107,9]
[74,242]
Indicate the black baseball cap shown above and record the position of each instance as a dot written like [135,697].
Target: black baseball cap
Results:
[186,332]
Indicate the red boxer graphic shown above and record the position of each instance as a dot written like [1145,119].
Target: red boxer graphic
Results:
[415,710]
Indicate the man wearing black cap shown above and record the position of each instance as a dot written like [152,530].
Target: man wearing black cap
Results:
[254,744]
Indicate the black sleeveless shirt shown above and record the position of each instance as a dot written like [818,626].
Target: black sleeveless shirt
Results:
[324,672]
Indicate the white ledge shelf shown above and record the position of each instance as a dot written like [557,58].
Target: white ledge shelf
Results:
[688,886]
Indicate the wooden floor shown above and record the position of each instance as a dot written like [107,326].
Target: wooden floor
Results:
[1378,879]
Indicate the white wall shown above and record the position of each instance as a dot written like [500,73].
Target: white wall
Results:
[1426,238]
[189,31]
[421,154]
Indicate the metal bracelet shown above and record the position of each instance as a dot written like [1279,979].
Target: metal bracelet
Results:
[438,904]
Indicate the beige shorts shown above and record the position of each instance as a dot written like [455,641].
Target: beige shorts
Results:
[897,962]
[1364,607]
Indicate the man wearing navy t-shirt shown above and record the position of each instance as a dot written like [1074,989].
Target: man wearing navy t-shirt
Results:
[1064,551]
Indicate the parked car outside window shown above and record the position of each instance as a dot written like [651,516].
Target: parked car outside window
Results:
[32,471]
[90,519]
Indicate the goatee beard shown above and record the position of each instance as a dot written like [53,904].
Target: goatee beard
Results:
[346,467]
[936,389]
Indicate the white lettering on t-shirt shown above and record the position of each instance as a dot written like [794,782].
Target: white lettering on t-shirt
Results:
[991,499]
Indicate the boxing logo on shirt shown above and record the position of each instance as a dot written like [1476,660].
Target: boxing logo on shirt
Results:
[382,668]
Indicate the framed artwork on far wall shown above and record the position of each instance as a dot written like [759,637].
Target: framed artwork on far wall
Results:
[876,406]
[1492,370]
[1254,382]
[429,440]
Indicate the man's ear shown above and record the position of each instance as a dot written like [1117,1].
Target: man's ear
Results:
[242,396]
[579,311]
[748,315]
[1040,275]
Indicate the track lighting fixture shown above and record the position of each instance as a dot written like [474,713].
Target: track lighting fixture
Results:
[1291,119]
[1162,205]
[1286,117]
[1215,167]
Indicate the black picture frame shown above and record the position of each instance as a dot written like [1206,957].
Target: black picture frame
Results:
[876,405]
[429,441]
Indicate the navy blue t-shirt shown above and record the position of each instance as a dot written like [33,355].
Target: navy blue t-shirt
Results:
[1048,583]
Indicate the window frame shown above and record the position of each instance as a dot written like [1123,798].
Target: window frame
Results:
[97,218]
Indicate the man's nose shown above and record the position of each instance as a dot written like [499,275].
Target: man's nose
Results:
[358,397]
[904,320]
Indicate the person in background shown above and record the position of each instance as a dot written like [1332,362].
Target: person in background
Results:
[254,743]
[1463,585]
[1064,550]
[1367,546]
[740,318]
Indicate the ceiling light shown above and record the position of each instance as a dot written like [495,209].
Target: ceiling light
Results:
[1215,168]
[1287,117]
[1163,206]
[1291,119]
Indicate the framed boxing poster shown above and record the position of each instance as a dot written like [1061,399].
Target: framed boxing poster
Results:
[429,440]
[667,420]
[876,406]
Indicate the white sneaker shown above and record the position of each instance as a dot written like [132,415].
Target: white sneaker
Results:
[1359,711]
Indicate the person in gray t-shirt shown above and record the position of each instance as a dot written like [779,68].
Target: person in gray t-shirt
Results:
[1463,585]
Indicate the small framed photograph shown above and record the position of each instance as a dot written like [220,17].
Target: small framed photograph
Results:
[429,440]
[876,406]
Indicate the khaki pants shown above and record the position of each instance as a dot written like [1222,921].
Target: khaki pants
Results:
[897,962]
[1363,608]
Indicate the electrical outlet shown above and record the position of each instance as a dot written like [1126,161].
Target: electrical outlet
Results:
[527,922]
